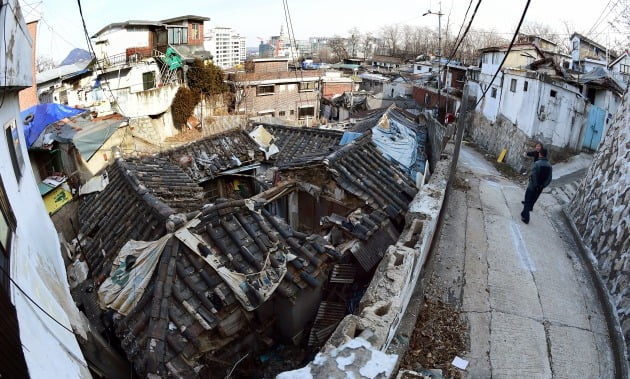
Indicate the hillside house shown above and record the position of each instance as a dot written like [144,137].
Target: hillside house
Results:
[587,54]
[268,87]
[620,68]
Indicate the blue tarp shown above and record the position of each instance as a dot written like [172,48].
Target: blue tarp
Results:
[44,115]
[348,137]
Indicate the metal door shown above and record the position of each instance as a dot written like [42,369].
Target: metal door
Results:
[594,127]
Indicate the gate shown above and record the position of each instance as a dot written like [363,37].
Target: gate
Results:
[594,127]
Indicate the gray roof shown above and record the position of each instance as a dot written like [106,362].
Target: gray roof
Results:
[62,71]
[187,17]
[128,23]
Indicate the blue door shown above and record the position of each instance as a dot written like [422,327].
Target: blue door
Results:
[594,127]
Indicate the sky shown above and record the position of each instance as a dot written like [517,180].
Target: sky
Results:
[60,29]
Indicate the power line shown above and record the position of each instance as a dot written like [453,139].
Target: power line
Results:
[287,19]
[98,63]
[518,27]
[598,17]
[466,31]
[34,302]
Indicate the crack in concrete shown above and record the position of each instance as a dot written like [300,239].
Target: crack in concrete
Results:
[548,339]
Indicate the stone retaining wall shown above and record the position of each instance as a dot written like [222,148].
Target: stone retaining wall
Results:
[385,301]
[601,212]
[503,134]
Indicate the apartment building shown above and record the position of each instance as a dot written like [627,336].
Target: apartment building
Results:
[226,45]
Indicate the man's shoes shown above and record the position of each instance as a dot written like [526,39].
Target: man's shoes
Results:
[523,219]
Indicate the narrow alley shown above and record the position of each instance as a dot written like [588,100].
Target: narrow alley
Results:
[532,310]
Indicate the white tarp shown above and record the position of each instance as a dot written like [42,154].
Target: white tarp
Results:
[265,140]
[124,287]
[95,184]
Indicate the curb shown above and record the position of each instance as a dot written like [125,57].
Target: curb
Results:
[612,321]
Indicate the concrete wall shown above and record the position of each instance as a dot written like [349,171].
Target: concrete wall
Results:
[601,212]
[118,40]
[502,134]
[385,301]
[38,268]
[144,103]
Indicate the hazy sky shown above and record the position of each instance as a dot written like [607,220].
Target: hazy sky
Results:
[60,29]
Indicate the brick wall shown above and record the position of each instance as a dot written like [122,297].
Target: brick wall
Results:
[428,98]
[331,89]
[273,66]
[195,41]
[28,96]
[285,98]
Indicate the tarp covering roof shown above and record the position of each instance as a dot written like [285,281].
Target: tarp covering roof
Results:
[85,133]
[43,115]
[64,72]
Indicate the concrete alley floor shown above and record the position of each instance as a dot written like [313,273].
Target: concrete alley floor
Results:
[530,305]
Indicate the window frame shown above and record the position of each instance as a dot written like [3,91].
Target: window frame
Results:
[493,92]
[513,83]
[303,117]
[260,87]
[307,86]
[7,217]
[12,137]
[525,85]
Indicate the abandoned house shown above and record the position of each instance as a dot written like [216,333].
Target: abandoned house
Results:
[189,280]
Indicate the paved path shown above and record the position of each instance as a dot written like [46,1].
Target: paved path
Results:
[531,307]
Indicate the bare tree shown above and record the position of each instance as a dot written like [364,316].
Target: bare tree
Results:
[367,42]
[44,63]
[390,36]
[354,36]
[338,46]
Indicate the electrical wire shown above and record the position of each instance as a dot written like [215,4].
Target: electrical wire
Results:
[291,44]
[34,302]
[98,63]
[518,28]
[457,45]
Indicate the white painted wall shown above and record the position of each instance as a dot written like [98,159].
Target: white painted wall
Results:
[616,69]
[116,41]
[37,267]
[145,103]
[422,67]
[555,120]
[398,87]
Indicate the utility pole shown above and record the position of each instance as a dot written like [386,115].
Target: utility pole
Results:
[439,86]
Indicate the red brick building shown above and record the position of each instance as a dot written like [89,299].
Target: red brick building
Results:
[267,87]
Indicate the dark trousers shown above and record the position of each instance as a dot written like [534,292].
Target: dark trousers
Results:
[531,195]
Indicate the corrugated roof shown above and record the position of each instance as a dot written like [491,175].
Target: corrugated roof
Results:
[63,72]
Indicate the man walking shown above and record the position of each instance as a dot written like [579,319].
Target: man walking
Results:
[539,179]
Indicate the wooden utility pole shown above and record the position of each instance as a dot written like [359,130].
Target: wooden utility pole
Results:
[465,109]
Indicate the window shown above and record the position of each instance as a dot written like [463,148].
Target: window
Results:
[148,80]
[177,35]
[13,141]
[7,228]
[194,33]
[624,69]
[513,85]
[281,113]
[291,112]
[308,86]
[525,85]
[266,113]
[552,93]
[307,111]
[264,90]
[493,93]
[576,43]
[418,68]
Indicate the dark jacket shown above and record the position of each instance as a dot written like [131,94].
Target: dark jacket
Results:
[541,174]
[533,154]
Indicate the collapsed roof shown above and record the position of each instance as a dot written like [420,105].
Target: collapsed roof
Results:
[188,286]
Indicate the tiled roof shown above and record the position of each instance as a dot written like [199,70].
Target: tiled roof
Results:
[191,315]
[296,142]
[205,158]
[136,203]
[361,169]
